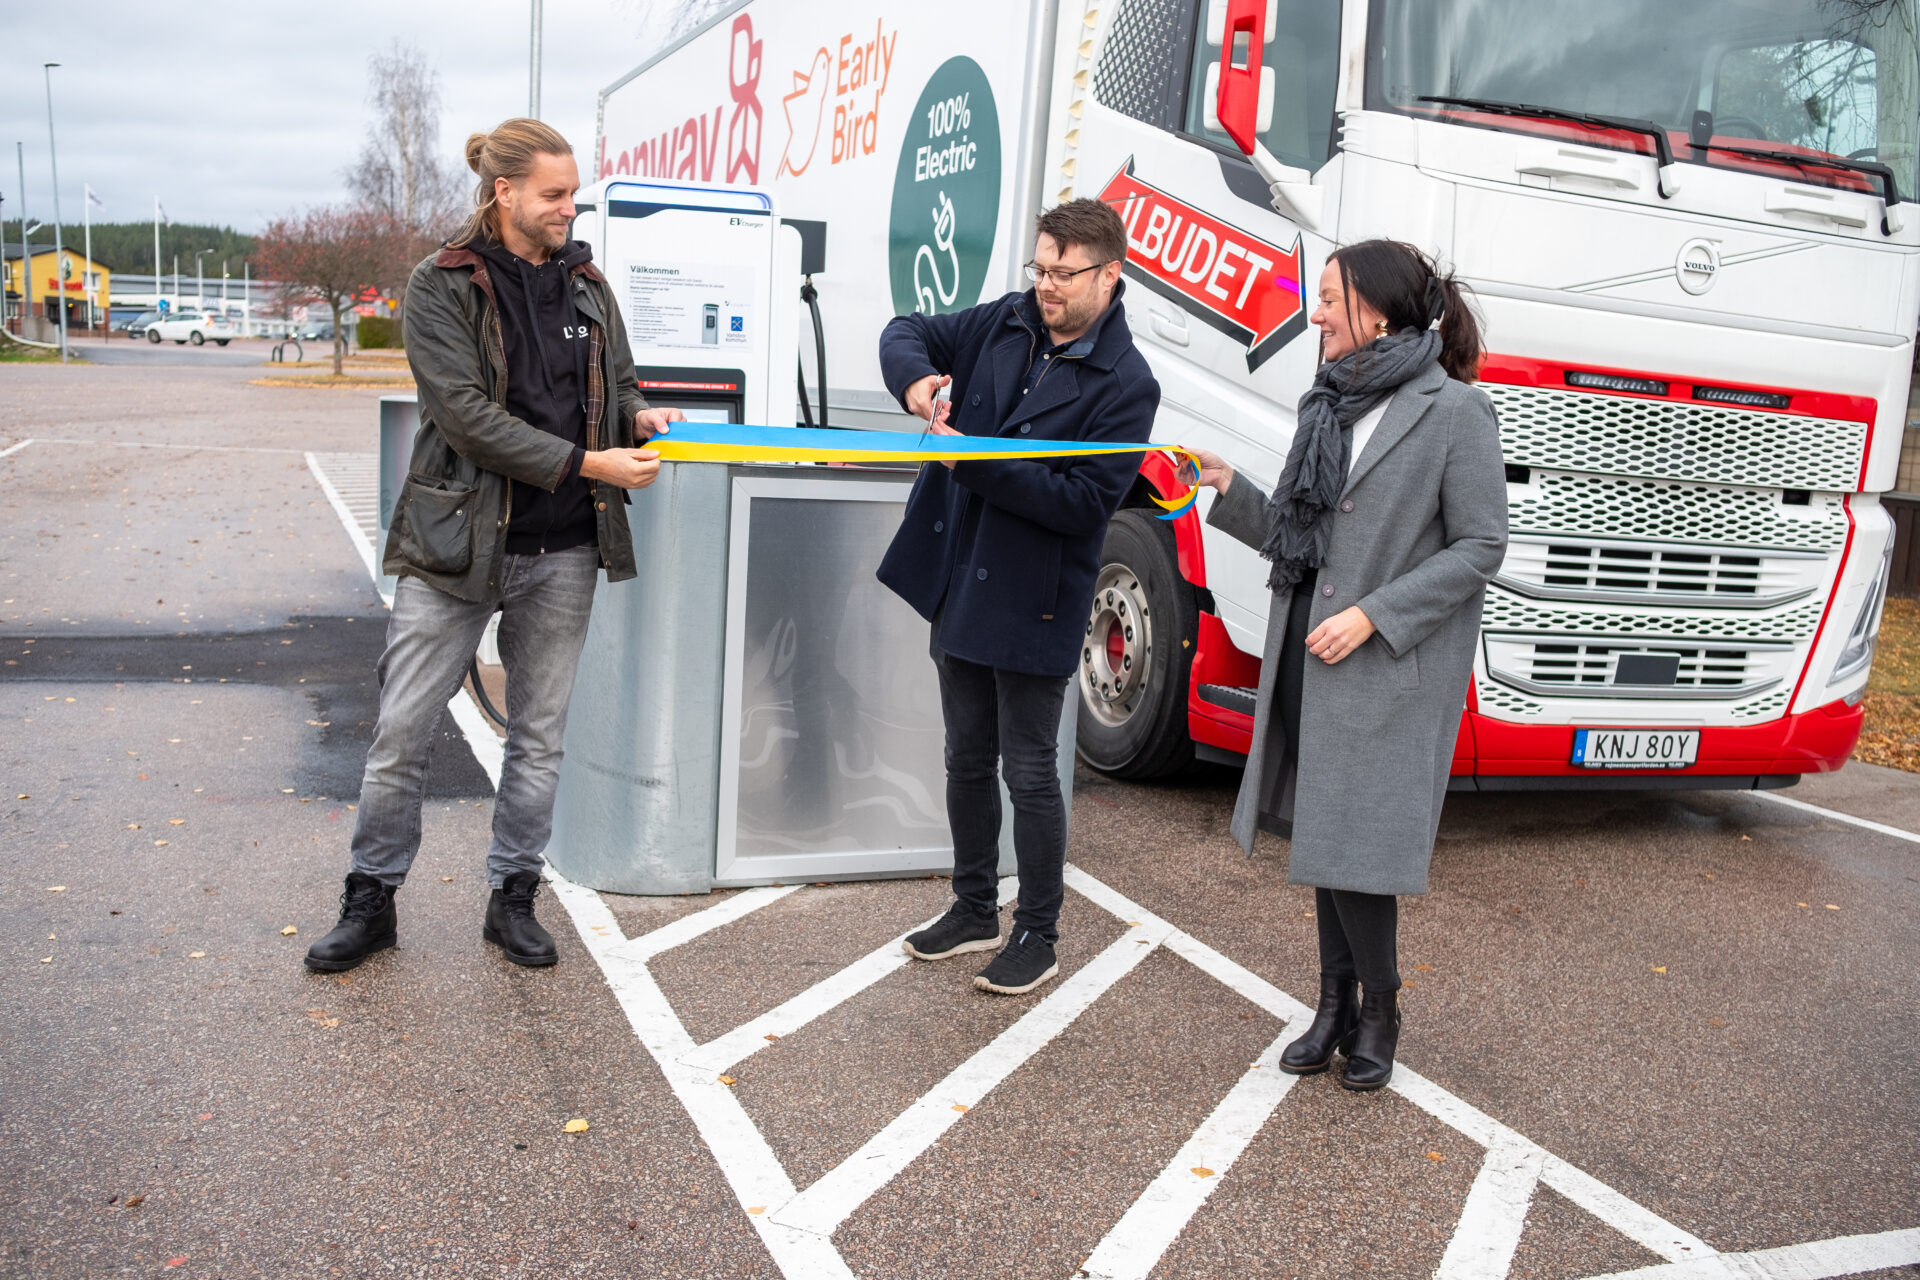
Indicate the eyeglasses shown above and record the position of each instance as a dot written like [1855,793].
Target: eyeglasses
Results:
[1060,276]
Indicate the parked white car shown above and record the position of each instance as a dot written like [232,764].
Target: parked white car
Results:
[192,326]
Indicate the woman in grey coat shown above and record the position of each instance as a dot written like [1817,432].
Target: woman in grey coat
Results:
[1387,522]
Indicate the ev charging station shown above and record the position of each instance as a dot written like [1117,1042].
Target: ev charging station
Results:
[754,707]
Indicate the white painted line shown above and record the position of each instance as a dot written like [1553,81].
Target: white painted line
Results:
[1133,1247]
[749,1038]
[340,508]
[745,1159]
[822,1207]
[1495,1213]
[152,444]
[1842,1256]
[489,748]
[687,928]
[12,449]
[1837,816]
[1640,1224]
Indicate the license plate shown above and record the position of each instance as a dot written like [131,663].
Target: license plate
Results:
[1635,748]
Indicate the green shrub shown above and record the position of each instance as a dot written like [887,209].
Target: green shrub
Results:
[378,332]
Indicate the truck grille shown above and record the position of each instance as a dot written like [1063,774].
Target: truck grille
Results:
[1564,507]
[1580,667]
[1598,571]
[1675,440]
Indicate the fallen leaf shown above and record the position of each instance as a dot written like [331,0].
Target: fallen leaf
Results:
[53,937]
[176,1262]
[1436,1157]
[286,791]
[173,739]
[727,1080]
[134,1202]
[1424,968]
[446,879]
[133,826]
[1831,907]
[46,959]
[771,1036]
[961,1107]
[329,1022]
[1799,904]
[1715,1022]
[321,723]
[574,1126]
[1658,968]
[344,980]
[288,932]
[56,888]
[176,822]
[23,796]
[758,1208]
[1201,1171]
[196,955]
[206,1115]
[161,842]
[1748,838]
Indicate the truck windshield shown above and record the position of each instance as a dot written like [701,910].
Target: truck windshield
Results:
[1826,78]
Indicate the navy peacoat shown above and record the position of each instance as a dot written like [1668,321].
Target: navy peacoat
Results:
[1006,553]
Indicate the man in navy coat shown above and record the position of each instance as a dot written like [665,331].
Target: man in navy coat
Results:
[1001,558]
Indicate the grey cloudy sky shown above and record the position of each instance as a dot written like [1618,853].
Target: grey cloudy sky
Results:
[237,112]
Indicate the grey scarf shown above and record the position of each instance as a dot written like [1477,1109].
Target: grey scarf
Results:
[1300,512]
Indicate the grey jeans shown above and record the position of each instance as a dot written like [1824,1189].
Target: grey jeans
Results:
[432,637]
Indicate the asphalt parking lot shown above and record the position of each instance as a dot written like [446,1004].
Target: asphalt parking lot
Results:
[1670,1035]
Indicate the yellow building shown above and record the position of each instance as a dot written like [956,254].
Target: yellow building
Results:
[47,278]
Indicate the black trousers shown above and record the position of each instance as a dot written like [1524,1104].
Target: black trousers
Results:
[1359,932]
[1005,722]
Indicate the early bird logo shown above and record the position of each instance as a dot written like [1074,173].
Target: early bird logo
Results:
[806,108]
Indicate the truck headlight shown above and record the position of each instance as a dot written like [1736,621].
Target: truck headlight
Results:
[1857,653]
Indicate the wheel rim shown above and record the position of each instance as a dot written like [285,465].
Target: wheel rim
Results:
[1116,654]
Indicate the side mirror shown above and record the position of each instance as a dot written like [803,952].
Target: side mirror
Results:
[1239,89]
[1239,101]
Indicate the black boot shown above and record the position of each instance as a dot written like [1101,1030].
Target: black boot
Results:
[368,923]
[1370,1061]
[1333,1025]
[511,926]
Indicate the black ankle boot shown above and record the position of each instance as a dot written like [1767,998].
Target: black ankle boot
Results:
[1370,1061]
[1333,1024]
[511,926]
[368,923]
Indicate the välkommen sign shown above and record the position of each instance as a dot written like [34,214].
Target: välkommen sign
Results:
[1233,280]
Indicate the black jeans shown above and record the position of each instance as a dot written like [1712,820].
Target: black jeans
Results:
[1012,721]
[1359,936]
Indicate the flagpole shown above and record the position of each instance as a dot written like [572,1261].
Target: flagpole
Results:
[53,159]
[86,272]
[26,251]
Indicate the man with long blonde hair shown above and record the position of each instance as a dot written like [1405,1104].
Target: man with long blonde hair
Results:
[530,422]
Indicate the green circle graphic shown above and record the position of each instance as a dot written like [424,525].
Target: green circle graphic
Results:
[946,193]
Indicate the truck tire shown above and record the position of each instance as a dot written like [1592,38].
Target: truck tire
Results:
[1138,654]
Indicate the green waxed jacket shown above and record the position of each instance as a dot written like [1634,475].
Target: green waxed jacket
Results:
[450,522]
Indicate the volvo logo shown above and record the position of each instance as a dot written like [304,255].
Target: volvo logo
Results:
[1697,266]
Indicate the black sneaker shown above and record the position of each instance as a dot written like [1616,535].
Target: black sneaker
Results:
[961,930]
[1023,964]
[368,923]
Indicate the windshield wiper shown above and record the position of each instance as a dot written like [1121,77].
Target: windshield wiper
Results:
[1889,190]
[1662,148]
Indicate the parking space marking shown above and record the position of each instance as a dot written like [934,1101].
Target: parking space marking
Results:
[1483,1243]
[747,1039]
[12,449]
[1816,1260]
[826,1204]
[154,444]
[1135,1245]
[796,1227]
[361,543]
[1866,823]
[687,928]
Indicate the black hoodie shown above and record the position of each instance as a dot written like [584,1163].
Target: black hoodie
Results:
[546,350]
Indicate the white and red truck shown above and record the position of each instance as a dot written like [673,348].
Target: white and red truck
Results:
[1689,229]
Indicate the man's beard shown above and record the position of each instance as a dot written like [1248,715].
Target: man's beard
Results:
[1077,313]
[539,233]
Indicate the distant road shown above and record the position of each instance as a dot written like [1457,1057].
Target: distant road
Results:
[123,350]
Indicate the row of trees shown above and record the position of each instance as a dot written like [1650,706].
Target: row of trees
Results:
[406,199]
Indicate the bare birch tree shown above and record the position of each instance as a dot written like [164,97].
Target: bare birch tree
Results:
[400,176]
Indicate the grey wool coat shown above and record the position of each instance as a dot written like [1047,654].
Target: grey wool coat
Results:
[1420,529]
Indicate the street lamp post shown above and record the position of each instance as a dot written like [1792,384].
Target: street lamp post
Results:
[26,253]
[53,160]
[200,279]
[533,65]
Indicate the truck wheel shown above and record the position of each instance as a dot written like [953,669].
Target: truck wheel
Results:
[1138,654]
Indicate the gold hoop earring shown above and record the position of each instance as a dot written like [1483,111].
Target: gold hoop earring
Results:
[1381,327]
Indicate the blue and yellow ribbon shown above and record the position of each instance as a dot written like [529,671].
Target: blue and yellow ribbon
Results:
[736,442]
